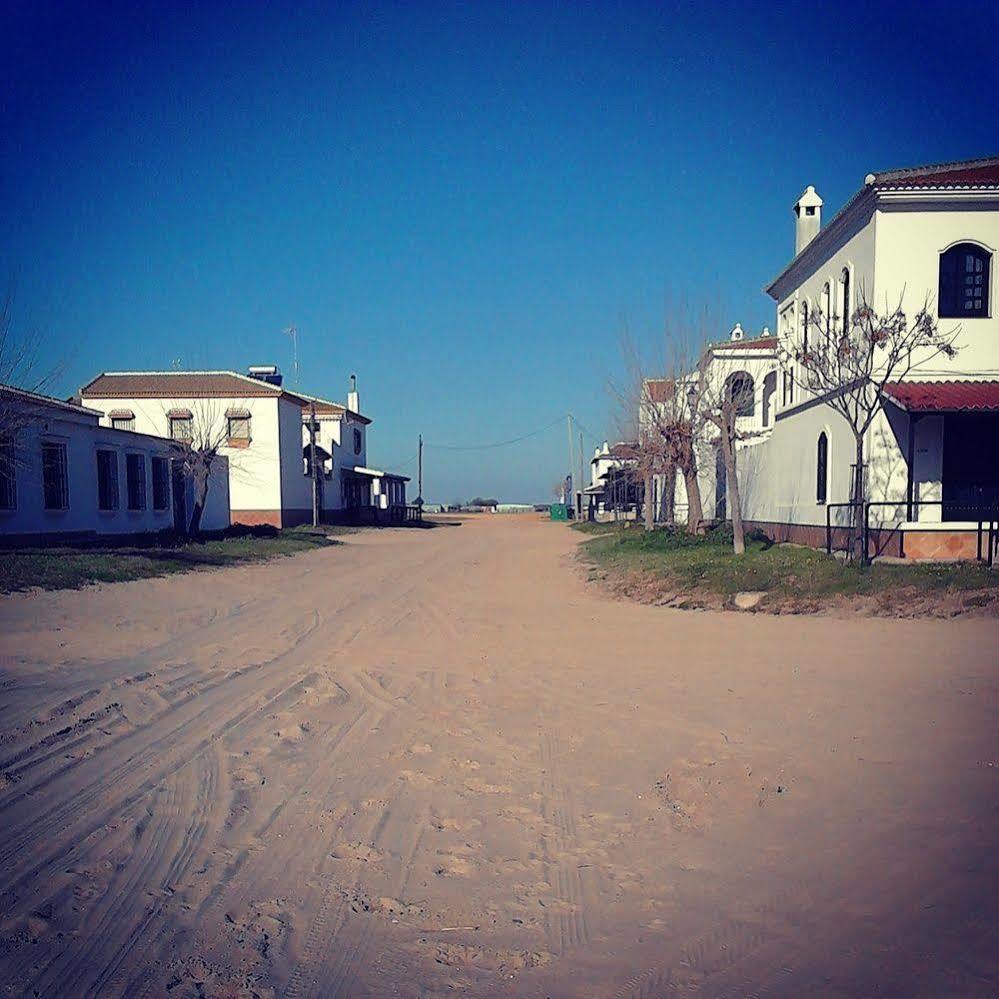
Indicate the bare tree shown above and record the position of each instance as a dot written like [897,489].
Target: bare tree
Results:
[205,433]
[671,425]
[723,401]
[20,368]
[848,364]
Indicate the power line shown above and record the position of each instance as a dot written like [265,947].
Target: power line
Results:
[494,444]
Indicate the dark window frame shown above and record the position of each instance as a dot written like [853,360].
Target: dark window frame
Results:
[189,436]
[135,487]
[55,494]
[161,483]
[358,441]
[847,314]
[746,400]
[8,476]
[957,274]
[230,420]
[822,469]
[108,491]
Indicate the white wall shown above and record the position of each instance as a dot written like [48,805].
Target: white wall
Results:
[255,481]
[296,486]
[854,250]
[336,435]
[82,437]
[909,244]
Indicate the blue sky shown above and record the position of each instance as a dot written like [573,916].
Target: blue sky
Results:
[462,203]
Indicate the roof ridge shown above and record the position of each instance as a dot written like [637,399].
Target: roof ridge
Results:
[900,172]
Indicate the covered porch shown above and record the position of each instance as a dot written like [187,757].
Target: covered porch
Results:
[950,440]
[372,496]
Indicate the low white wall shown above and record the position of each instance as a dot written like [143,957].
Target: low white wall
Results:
[82,439]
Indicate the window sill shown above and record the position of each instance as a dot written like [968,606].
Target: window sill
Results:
[238,443]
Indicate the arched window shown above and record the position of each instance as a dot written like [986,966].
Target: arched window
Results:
[741,391]
[827,305]
[847,314]
[804,325]
[821,468]
[769,397]
[964,282]
[358,440]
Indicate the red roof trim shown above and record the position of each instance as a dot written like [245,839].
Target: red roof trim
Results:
[950,396]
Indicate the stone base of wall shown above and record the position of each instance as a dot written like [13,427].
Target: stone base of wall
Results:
[919,546]
[938,545]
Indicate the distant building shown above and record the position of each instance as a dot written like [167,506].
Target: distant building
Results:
[64,475]
[614,490]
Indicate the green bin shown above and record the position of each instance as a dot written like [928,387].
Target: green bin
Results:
[559,511]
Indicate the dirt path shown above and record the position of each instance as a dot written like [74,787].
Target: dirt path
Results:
[435,762]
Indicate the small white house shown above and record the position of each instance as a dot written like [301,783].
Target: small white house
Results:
[254,419]
[64,475]
[932,453]
[614,491]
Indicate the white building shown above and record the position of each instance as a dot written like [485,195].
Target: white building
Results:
[257,422]
[746,367]
[933,450]
[613,492]
[63,475]
[351,490]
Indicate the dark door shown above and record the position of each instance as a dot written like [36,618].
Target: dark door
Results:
[970,464]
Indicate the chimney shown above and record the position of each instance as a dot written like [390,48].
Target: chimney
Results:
[269,373]
[737,334]
[808,219]
[353,400]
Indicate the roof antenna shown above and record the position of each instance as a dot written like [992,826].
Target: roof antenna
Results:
[292,331]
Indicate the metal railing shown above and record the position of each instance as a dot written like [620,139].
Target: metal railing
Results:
[985,517]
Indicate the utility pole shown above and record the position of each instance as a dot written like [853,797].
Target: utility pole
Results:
[313,465]
[419,488]
[581,479]
[568,481]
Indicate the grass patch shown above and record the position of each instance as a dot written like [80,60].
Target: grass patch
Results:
[69,567]
[789,574]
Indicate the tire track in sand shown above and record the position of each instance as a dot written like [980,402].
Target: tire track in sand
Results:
[566,928]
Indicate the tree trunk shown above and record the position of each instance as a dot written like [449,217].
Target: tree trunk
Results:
[859,498]
[667,501]
[200,476]
[695,512]
[649,499]
[734,498]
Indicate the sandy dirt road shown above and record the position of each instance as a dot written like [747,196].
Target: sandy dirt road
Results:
[434,762]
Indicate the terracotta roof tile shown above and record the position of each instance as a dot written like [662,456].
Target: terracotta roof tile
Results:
[759,343]
[969,173]
[933,397]
[181,384]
